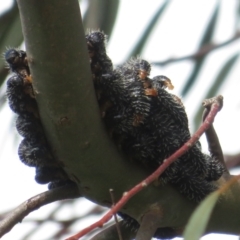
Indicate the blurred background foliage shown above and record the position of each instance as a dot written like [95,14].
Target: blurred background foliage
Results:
[102,14]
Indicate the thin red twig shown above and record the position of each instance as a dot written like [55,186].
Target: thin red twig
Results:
[215,107]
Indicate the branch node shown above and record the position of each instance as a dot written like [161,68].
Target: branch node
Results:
[144,184]
[218,100]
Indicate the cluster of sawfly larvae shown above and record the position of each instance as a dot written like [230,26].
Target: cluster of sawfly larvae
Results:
[33,150]
[144,120]
[149,124]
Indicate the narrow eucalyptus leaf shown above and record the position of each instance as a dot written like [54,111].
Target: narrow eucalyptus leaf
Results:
[199,219]
[101,15]
[209,31]
[11,36]
[217,83]
[237,16]
[146,33]
[206,38]
[193,76]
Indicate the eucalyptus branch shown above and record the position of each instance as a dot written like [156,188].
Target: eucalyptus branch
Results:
[59,64]
[203,51]
[34,203]
[214,146]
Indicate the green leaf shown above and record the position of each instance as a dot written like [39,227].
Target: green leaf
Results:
[11,35]
[193,76]
[7,17]
[221,77]
[199,219]
[101,14]
[237,16]
[146,33]
[206,39]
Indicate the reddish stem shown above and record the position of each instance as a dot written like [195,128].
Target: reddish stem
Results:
[215,107]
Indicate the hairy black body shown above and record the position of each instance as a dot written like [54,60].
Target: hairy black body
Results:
[34,150]
[149,124]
